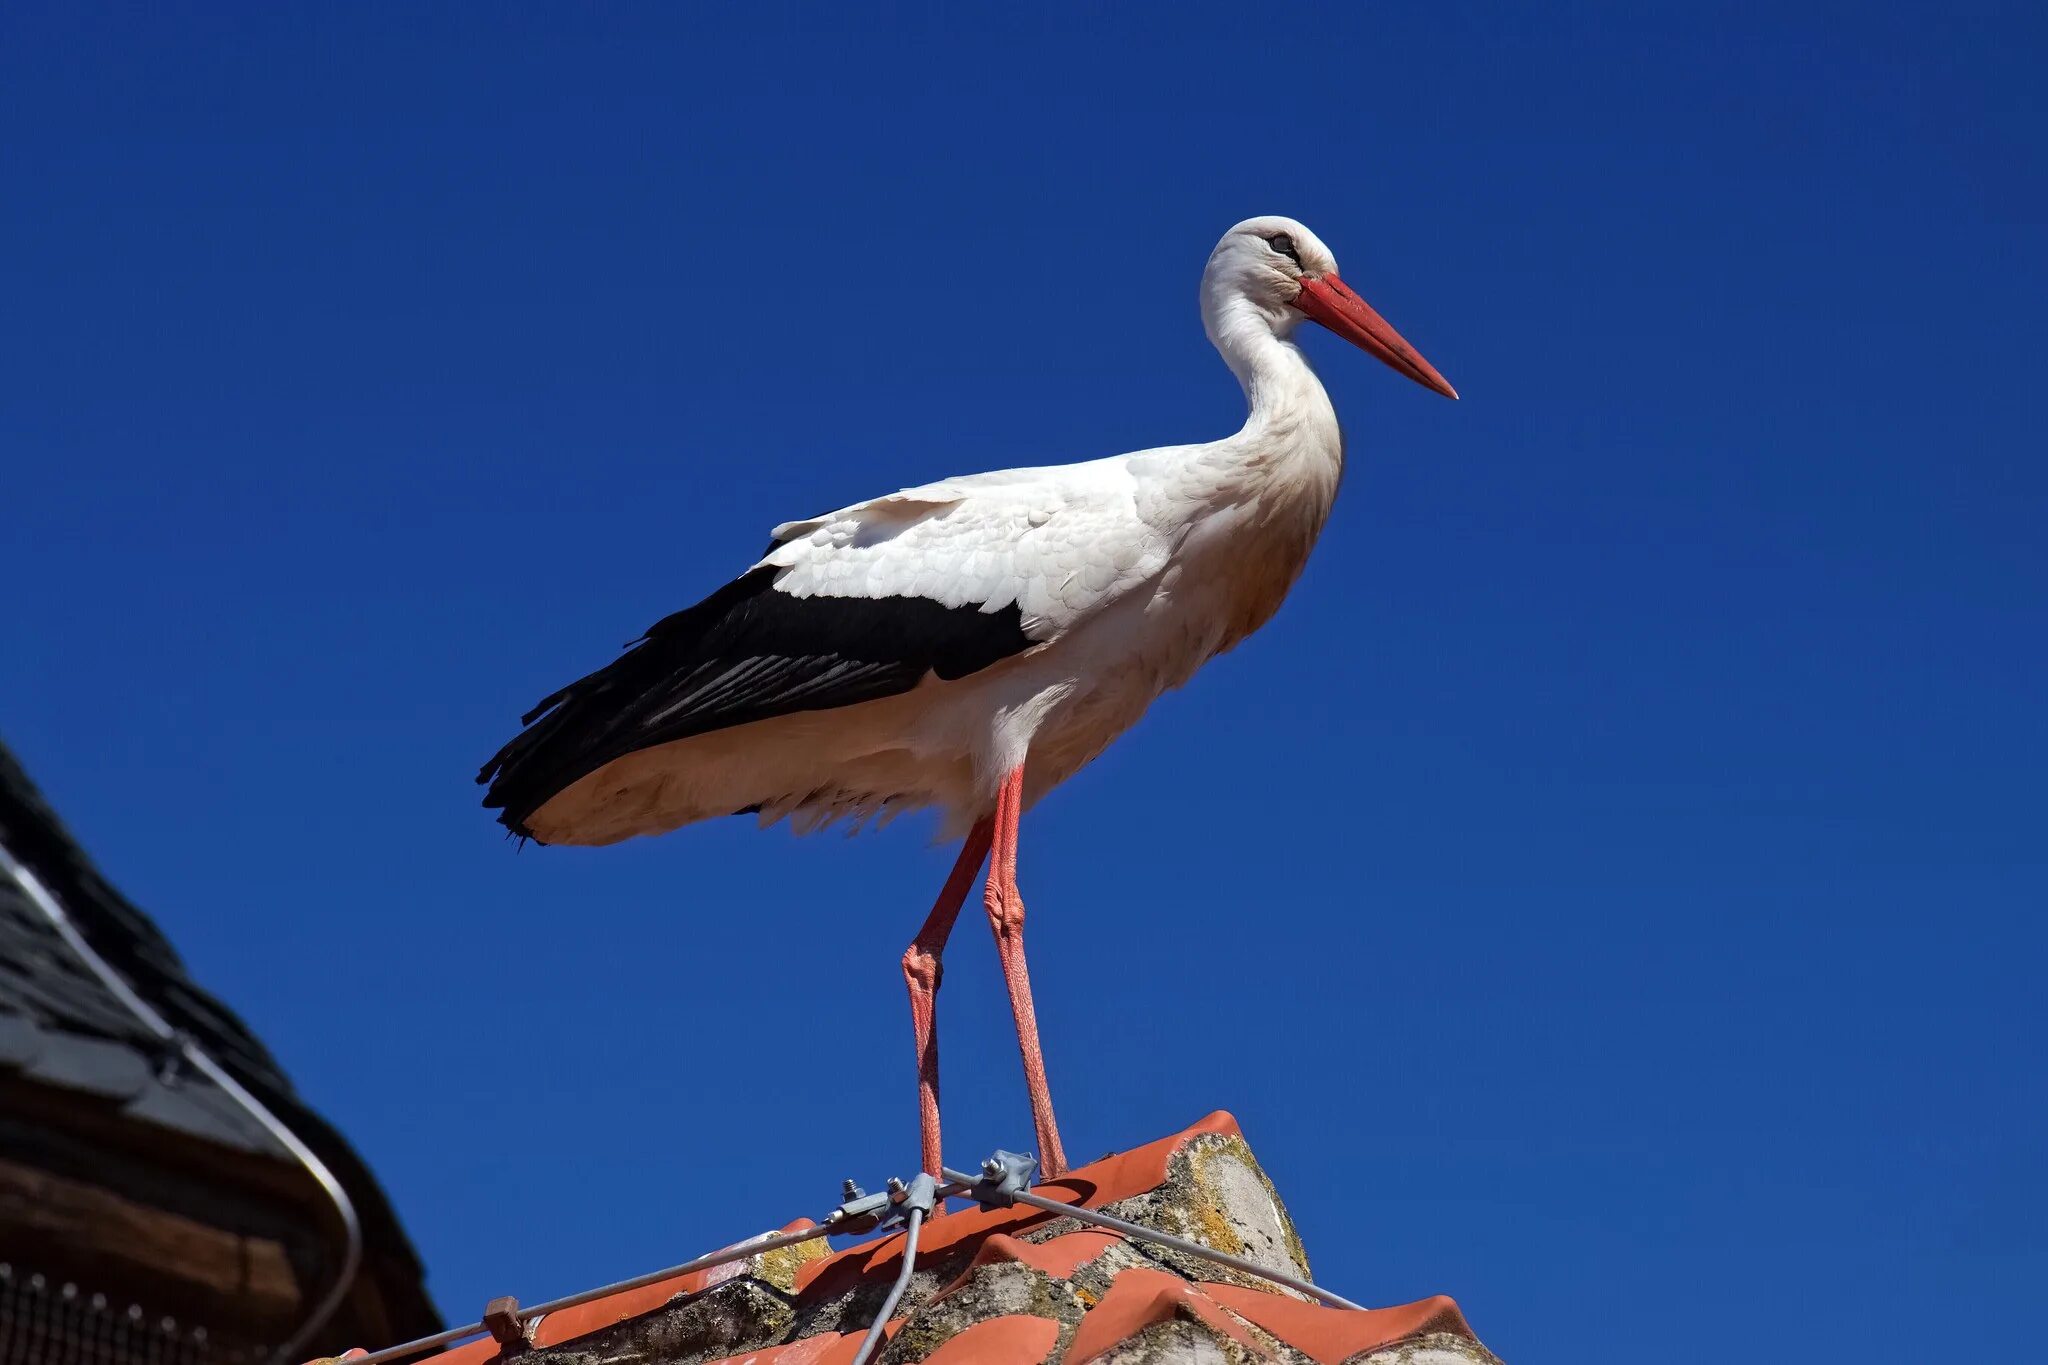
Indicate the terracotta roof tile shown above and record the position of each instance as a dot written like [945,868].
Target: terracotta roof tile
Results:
[1331,1336]
[1009,1286]
[1116,1177]
[1013,1339]
[1140,1298]
[1060,1257]
[827,1348]
[584,1318]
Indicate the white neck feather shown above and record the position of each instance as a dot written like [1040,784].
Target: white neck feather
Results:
[1284,395]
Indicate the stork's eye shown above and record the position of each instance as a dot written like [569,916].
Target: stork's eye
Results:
[1284,244]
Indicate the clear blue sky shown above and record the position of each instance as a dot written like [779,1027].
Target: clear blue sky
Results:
[1610,892]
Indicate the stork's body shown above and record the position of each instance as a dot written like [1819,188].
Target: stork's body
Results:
[972,643]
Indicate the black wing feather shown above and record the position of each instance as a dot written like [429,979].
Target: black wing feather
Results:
[743,654]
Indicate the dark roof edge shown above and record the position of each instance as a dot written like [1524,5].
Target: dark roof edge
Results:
[135,948]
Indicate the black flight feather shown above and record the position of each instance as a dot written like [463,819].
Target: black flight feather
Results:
[745,653]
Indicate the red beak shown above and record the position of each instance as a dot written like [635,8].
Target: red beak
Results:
[1328,300]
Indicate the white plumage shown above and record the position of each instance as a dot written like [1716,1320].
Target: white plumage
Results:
[1127,573]
[970,644]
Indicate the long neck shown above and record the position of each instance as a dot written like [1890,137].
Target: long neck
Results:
[1282,470]
[1283,393]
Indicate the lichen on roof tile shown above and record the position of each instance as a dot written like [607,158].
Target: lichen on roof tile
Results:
[1141,1299]
[1024,1284]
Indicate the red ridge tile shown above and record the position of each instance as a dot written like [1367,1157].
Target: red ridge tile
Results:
[1014,1339]
[1333,1335]
[1060,1257]
[585,1318]
[827,1348]
[1115,1177]
[1136,1299]
[1139,1298]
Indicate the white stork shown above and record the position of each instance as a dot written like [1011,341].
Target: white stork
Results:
[969,644]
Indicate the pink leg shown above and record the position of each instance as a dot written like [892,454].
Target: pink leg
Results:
[1006,917]
[921,972]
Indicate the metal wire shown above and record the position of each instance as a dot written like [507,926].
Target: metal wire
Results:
[912,1222]
[961,1183]
[716,1258]
[1129,1229]
[344,1207]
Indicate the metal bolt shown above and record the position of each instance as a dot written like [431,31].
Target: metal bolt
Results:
[850,1191]
[895,1188]
[992,1168]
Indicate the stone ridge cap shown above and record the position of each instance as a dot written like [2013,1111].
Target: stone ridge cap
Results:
[1116,1177]
[1112,1290]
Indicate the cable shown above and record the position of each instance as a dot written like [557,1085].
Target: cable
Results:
[352,1254]
[722,1257]
[914,1221]
[1164,1239]
[1001,1185]
[917,1201]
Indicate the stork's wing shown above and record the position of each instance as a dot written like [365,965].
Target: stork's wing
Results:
[861,603]
[1055,543]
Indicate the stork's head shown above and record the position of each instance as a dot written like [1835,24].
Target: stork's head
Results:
[1278,271]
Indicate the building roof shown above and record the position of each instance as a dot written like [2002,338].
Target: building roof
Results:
[62,1028]
[998,1286]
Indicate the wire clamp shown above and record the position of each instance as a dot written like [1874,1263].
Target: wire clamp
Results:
[921,1194]
[858,1211]
[864,1212]
[1003,1176]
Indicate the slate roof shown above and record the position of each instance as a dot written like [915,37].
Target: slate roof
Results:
[61,1027]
